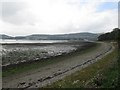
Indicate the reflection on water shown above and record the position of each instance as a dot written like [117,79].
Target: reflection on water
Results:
[30,41]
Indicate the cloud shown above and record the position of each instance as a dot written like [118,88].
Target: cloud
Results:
[56,16]
[16,13]
[10,8]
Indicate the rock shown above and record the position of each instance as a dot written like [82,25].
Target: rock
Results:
[22,83]
[75,81]
[40,80]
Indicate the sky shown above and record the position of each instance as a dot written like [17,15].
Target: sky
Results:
[25,17]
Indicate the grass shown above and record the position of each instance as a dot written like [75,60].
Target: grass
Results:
[34,65]
[102,74]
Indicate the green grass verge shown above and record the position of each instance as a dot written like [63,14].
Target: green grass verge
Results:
[102,74]
[35,65]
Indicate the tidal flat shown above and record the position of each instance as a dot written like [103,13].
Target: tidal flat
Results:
[39,73]
[15,53]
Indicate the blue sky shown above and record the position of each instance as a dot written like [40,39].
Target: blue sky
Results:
[108,6]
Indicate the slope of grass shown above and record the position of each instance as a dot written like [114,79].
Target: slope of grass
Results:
[102,74]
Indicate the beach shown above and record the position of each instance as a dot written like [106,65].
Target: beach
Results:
[63,65]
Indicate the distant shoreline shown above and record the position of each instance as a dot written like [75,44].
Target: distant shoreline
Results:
[10,41]
[52,43]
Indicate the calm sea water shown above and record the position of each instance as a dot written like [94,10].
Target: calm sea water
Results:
[30,41]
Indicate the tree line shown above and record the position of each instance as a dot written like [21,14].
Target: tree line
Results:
[114,35]
[111,36]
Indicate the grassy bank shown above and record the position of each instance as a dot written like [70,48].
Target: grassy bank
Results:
[102,74]
[38,64]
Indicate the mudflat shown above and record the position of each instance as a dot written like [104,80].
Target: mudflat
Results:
[52,72]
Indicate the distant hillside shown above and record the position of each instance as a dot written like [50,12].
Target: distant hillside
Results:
[114,35]
[111,36]
[72,36]
[3,36]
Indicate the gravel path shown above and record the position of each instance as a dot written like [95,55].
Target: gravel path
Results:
[51,73]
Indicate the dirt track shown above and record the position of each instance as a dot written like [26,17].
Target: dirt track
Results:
[54,72]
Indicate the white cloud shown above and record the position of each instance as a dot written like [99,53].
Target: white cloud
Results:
[58,16]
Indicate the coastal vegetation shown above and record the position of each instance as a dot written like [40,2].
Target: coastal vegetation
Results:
[102,74]
[110,36]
